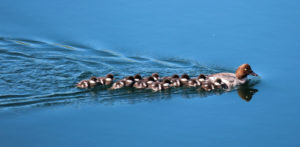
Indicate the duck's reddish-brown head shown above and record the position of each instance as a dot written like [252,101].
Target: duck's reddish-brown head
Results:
[243,71]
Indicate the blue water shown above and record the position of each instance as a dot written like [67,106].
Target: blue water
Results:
[46,47]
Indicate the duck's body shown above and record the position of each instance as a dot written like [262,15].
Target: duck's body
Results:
[233,79]
[228,78]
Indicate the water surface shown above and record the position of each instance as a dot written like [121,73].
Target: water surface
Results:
[46,47]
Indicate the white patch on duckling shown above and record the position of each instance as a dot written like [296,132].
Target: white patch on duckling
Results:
[184,80]
[129,81]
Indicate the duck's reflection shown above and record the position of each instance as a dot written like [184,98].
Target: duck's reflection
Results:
[246,93]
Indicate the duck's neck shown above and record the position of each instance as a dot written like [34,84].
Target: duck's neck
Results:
[240,75]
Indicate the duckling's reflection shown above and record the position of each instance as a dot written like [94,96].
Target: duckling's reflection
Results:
[132,96]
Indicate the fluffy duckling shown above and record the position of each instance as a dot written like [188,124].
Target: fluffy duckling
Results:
[129,81]
[156,86]
[184,79]
[219,84]
[201,78]
[107,80]
[193,83]
[126,82]
[207,86]
[166,84]
[83,84]
[155,76]
[144,83]
[149,80]
[137,77]
[118,85]
[175,81]
[87,83]
[140,84]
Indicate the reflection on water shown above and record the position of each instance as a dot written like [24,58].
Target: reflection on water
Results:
[39,73]
[246,92]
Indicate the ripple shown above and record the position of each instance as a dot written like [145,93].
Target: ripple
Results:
[139,59]
[105,53]
[16,54]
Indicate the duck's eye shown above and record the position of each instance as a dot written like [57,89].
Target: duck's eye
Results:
[245,69]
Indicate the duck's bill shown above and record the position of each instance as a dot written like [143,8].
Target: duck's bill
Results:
[253,74]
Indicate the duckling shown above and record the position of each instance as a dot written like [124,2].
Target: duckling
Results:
[175,81]
[129,81]
[126,82]
[118,85]
[166,84]
[83,84]
[87,83]
[201,78]
[156,86]
[140,84]
[93,81]
[219,84]
[107,80]
[207,86]
[184,79]
[144,83]
[155,76]
[137,77]
[149,80]
[193,83]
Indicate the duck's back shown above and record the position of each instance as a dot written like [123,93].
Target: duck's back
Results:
[229,79]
